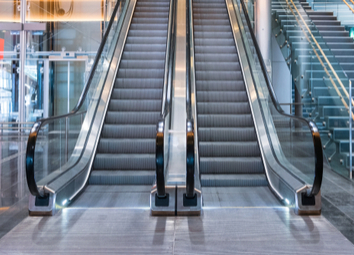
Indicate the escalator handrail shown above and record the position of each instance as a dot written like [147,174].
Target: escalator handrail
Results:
[31,143]
[314,130]
[166,102]
[166,105]
[190,132]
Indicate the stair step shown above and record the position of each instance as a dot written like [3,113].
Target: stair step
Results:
[129,131]
[230,180]
[124,161]
[125,177]
[227,134]
[115,146]
[229,149]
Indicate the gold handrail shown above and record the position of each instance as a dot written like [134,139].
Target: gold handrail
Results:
[324,56]
[349,5]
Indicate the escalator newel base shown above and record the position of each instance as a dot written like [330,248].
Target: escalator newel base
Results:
[188,202]
[162,201]
[307,200]
[42,201]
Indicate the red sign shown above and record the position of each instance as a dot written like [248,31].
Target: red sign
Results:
[2,42]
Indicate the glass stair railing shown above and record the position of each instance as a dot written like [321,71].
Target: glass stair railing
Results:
[321,87]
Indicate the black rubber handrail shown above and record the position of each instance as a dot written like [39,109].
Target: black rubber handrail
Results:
[31,143]
[314,130]
[190,156]
[166,104]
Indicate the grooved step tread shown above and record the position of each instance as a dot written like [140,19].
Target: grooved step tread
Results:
[233,180]
[125,177]
[126,150]
[229,152]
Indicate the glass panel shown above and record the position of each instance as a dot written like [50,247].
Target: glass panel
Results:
[320,85]
[9,79]
[290,139]
[61,141]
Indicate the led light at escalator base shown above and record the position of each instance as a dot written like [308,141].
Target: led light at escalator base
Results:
[64,202]
[287,201]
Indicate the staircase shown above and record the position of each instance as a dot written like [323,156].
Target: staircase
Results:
[339,8]
[126,150]
[228,148]
[324,105]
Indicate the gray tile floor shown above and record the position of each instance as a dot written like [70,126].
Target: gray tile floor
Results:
[117,220]
[241,230]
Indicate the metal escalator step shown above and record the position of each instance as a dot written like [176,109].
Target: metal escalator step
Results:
[141,64]
[214,41]
[208,1]
[132,117]
[215,49]
[142,33]
[211,28]
[139,83]
[207,34]
[208,5]
[152,9]
[134,47]
[148,56]
[223,96]
[218,75]
[221,67]
[120,93]
[129,131]
[211,22]
[148,27]
[151,4]
[104,177]
[210,16]
[216,58]
[151,20]
[229,149]
[224,108]
[150,15]
[220,85]
[126,146]
[231,180]
[134,106]
[204,10]
[140,73]
[147,40]
[227,134]
[219,120]
[124,161]
[225,165]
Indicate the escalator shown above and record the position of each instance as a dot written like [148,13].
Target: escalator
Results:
[243,137]
[120,131]
[228,147]
[115,119]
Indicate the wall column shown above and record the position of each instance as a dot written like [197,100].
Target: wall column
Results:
[263,30]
